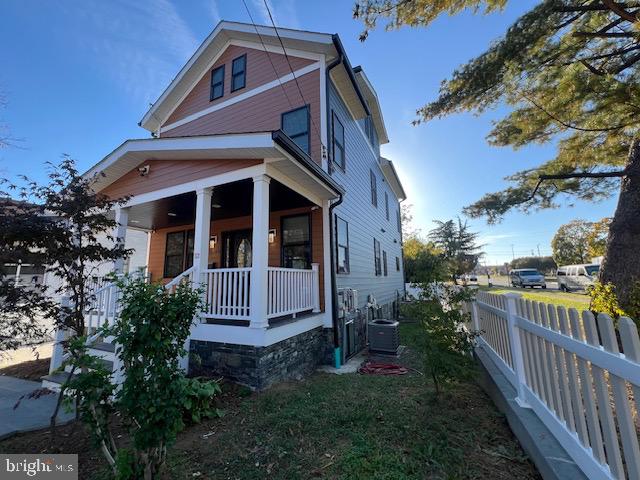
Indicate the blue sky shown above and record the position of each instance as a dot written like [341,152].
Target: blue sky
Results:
[79,74]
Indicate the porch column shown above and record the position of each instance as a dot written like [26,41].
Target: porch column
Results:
[201,233]
[260,252]
[120,235]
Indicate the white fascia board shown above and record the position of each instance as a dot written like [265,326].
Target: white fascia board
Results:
[390,174]
[380,125]
[209,142]
[228,28]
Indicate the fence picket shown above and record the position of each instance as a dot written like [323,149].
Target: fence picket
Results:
[593,424]
[631,349]
[543,360]
[626,425]
[610,436]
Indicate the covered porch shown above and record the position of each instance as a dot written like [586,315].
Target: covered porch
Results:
[254,239]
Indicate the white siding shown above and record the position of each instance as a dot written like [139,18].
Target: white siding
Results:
[366,222]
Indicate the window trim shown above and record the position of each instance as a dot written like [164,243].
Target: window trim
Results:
[374,188]
[346,247]
[244,73]
[282,244]
[343,148]
[308,107]
[212,85]
[377,260]
[185,250]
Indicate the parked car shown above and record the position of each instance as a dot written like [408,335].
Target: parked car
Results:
[527,277]
[577,277]
[470,278]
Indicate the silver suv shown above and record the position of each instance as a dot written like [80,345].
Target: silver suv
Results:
[527,277]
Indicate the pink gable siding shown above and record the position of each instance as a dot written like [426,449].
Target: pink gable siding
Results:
[259,72]
[261,112]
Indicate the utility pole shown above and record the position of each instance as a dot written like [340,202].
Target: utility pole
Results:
[513,255]
[539,250]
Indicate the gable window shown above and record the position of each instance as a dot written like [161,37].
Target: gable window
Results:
[374,189]
[239,73]
[376,257]
[178,254]
[295,124]
[386,205]
[338,142]
[384,263]
[397,264]
[296,241]
[342,241]
[217,83]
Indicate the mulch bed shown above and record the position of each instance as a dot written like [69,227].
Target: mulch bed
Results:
[30,370]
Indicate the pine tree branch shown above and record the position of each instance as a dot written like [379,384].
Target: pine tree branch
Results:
[598,8]
[620,10]
[566,176]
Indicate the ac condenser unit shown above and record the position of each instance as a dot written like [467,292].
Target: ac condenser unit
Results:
[384,336]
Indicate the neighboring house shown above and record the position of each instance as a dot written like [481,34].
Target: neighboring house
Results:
[264,182]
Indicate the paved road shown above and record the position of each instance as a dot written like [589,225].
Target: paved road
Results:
[32,414]
[503,281]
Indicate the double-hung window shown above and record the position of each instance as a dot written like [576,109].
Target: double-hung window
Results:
[296,241]
[384,263]
[397,264]
[342,241]
[217,83]
[399,220]
[376,257]
[386,205]
[178,254]
[239,73]
[295,124]
[338,142]
[374,188]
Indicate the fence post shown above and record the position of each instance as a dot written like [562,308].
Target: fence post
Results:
[58,350]
[475,319]
[316,287]
[516,348]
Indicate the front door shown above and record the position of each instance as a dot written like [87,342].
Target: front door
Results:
[236,249]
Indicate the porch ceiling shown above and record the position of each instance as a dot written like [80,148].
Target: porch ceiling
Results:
[230,200]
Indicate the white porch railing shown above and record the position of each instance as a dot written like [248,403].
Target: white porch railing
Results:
[567,367]
[292,290]
[227,293]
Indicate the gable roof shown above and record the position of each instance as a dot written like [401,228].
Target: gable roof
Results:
[374,104]
[302,43]
[392,178]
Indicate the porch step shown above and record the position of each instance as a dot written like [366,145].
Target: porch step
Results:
[54,381]
[104,346]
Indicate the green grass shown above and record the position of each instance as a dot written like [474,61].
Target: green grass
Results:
[568,300]
[358,427]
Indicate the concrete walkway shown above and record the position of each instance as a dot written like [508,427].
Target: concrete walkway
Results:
[32,414]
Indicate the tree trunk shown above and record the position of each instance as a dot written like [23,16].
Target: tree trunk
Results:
[621,265]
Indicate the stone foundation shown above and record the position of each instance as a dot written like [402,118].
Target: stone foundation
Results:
[261,367]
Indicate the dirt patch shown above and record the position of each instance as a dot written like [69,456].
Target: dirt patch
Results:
[30,370]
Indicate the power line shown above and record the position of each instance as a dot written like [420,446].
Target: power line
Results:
[293,74]
[268,56]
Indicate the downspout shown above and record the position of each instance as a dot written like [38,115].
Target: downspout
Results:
[337,352]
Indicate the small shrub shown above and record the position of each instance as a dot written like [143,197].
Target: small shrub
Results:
[446,343]
[155,398]
[198,402]
[604,300]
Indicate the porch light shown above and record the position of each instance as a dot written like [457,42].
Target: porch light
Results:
[212,241]
[272,235]
[171,214]
[216,205]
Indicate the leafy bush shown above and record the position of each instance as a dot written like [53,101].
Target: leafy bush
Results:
[446,344]
[154,397]
[198,401]
[604,300]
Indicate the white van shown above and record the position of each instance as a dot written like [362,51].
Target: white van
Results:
[577,277]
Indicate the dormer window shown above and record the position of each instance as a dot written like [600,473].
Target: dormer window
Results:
[217,83]
[239,73]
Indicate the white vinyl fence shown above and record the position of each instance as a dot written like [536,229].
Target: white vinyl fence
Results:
[568,368]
